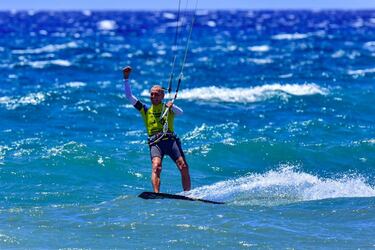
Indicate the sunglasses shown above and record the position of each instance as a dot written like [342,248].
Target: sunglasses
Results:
[154,94]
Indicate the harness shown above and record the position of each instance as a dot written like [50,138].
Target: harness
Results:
[154,139]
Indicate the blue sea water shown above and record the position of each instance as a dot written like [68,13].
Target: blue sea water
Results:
[279,123]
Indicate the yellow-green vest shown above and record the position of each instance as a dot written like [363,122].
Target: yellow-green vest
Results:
[151,118]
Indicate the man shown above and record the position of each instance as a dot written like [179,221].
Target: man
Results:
[162,140]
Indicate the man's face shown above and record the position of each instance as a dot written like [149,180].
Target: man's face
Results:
[156,96]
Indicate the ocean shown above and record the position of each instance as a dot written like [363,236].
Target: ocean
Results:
[278,123]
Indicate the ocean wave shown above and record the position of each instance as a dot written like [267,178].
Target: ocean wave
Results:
[295,36]
[211,24]
[261,48]
[30,99]
[248,95]
[260,61]
[361,72]
[106,25]
[75,84]
[283,186]
[65,149]
[220,133]
[44,64]
[3,151]
[169,15]
[47,49]
[370,45]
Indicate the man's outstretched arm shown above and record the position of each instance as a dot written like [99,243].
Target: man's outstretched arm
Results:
[128,91]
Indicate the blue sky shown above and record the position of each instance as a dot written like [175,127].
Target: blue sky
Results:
[172,4]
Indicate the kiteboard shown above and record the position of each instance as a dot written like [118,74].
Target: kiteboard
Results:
[152,195]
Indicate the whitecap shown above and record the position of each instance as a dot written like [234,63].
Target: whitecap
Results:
[60,62]
[15,102]
[361,72]
[370,45]
[107,25]
[47,49]
[211,24]
[286,75]
[75,84]
[281,186]
[295,36]
[260,61]
[169,15]
[66,148]
[248,95]
[43,64]
[338,54]
[261,48]
[172,25]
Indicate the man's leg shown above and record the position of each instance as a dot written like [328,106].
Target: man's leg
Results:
[155,176]
[185,176]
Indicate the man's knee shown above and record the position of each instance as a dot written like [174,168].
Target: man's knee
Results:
[156,165]
[181,164]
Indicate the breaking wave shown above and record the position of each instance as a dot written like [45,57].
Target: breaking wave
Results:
[251,94]
[295,36]
[15,102]
[283,186]
[47,49]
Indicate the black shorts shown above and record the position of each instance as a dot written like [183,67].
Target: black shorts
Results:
[169,146]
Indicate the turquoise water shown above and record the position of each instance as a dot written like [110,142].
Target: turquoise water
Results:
[278,123]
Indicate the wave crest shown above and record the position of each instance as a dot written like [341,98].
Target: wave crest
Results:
[249,95]
[30,99]
[47,49]
[283,186]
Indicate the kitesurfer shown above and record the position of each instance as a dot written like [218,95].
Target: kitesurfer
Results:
[162,139]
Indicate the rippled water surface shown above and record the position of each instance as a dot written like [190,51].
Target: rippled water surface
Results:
[278,122]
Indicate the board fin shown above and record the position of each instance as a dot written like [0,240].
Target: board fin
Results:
[152,195]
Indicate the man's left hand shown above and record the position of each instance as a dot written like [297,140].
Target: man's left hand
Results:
[169,104]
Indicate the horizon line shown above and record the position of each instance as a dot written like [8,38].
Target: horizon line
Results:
[199,9]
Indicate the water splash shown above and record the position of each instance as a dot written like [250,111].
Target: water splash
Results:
[283,186]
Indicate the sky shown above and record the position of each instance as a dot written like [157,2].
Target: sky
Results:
[173,4]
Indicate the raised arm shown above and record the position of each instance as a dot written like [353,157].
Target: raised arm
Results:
[128,91]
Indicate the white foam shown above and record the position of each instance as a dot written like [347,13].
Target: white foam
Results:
[67,148]
[211,24]
[285,185]
[370,45]
[43,64]
[169,15]
[107,25]
[260,61]
[30,99]
[203,132]
[295,36]
[47,49]
[261,48]
[75,84]
[249,95]
[338,54]
[361,72]
[3,151]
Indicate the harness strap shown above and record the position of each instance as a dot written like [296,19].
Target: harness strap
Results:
[152,140]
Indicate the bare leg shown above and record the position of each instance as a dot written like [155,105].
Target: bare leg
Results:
[185,176]
[155,176]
